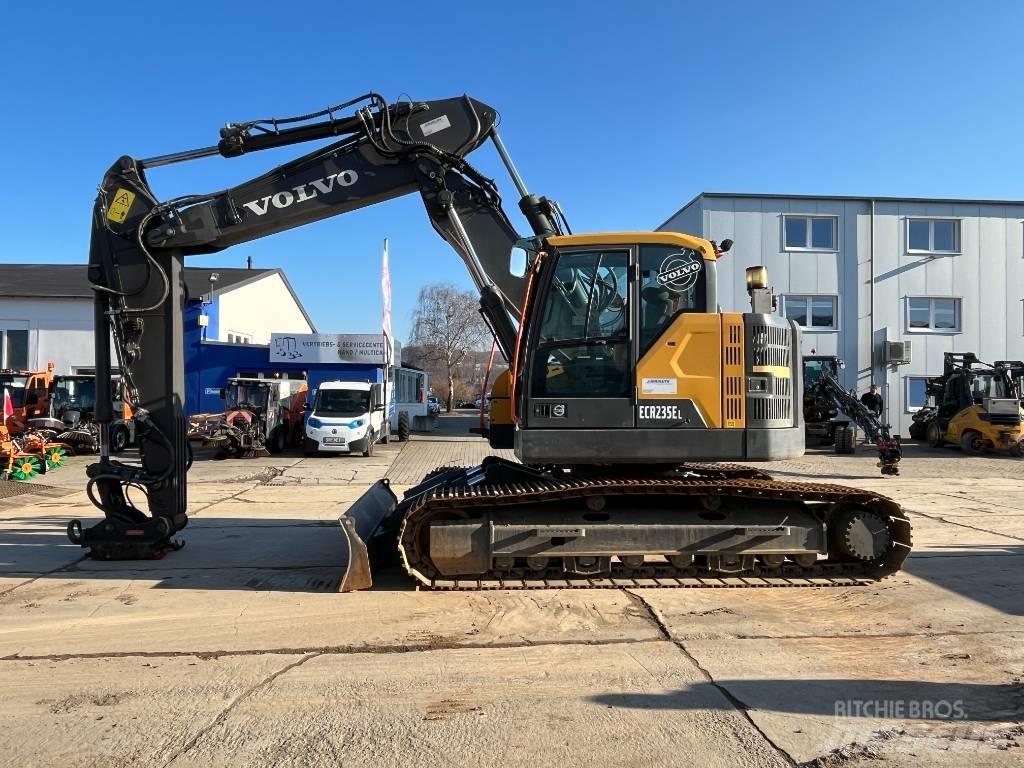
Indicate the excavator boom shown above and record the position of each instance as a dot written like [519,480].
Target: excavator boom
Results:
[381,151]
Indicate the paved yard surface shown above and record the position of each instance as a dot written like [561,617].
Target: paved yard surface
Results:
[237,650]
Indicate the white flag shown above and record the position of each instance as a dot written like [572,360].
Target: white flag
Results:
[385,288]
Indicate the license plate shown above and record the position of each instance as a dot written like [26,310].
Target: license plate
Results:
[334,441]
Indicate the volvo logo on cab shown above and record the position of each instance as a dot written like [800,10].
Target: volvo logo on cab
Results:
[303,192]
[679,271]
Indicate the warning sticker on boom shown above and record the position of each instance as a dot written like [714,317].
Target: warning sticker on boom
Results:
[436,125]
[120,205]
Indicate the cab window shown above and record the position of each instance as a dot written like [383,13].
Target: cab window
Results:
[583,345]
[813,370]
[672,281]
[588,297]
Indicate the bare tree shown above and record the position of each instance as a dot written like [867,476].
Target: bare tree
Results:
[447,324]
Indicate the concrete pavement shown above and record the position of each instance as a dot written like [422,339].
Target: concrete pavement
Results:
[238,651]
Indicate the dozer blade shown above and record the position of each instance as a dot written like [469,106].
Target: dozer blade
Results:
[364,521]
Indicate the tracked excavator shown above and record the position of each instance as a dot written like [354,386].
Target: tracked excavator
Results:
[626,386]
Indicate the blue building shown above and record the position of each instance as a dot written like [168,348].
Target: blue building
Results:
[209,364]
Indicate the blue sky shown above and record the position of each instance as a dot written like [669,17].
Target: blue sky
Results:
[622,111]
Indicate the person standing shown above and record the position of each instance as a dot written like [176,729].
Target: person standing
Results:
[872,401]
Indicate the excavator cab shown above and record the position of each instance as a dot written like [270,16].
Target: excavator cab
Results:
[623,358]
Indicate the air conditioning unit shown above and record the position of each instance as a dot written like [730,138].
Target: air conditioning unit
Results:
[897,352]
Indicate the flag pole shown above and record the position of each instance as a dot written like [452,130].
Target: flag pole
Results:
[385,289]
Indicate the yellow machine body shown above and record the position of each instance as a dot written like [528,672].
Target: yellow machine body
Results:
[624,358]
[999,437]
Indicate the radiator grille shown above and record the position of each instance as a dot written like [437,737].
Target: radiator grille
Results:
[771,354]
[732,371]
[772,345]
[777,406]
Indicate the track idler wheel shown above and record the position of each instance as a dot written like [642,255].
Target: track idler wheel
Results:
[861,534]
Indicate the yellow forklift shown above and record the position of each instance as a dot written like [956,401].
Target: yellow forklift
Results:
[977,405]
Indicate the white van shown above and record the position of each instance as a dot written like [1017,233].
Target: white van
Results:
[346,417]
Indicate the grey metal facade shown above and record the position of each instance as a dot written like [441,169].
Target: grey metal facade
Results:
[875,272]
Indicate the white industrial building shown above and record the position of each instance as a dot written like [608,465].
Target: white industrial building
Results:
[46,312]
[855,272]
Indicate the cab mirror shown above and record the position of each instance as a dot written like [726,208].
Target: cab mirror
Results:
[518,261]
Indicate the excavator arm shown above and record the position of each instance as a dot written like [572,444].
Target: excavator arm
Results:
[827,389]
[382,151]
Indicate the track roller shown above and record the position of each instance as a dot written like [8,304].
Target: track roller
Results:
[680,561]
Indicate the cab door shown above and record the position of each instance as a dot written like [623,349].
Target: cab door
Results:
[37,398]
[581,373]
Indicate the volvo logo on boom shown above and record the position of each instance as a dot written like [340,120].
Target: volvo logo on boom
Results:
[303,192]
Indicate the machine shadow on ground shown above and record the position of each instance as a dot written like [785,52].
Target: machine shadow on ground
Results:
[220,553]
[990,574]
[828,698]
[280,554]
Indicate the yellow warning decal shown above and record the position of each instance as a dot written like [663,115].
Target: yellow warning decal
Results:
[122,203]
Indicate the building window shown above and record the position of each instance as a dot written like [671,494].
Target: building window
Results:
[14,348]
[917,393]
[810,233]
[815,313]
[933,236]
[239,338]
[933,314]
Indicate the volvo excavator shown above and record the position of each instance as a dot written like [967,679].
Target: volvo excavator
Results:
[627,386]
